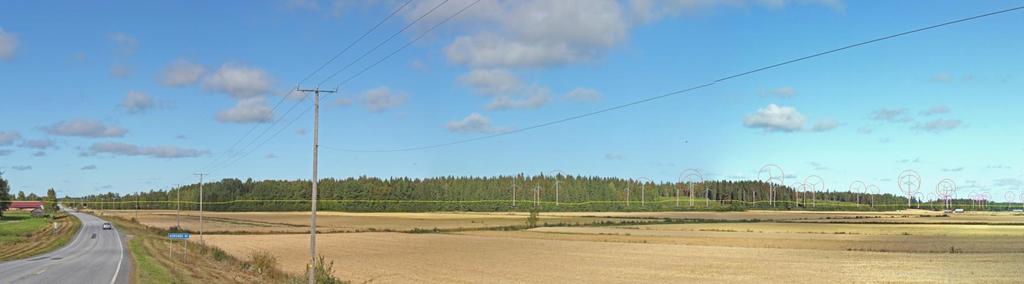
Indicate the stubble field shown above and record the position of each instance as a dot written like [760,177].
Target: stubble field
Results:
[801,247]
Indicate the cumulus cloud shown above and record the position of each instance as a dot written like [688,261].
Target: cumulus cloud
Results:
[584,95]
[247,110]
[41,144]
[382,98]
[89,167]
[8,137]
[491,81]
[538,99]
[124,149]
[8,44]
[21,168]
[890,115]
[136,102]
[84,128]
[238,81]
[472,123]
[936,110]
[39,154]
[505,89]
[536,33]
[5,152]
[182,73]
[939,125]
[774,118]
[824,125]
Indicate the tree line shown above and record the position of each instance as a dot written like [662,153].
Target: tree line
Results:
[450,193]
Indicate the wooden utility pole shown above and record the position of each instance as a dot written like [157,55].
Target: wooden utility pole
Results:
[201,175]
[312,219]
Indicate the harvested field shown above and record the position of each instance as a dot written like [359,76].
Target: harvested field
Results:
[786,250]
[335,222]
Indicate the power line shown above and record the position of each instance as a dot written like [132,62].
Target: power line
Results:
[364,70]
[678,92]
[383,42]
[308,76]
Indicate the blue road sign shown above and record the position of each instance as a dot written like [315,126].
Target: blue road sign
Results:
[182,236]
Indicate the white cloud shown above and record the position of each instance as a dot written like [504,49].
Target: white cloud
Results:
[247,110]
[136,102]
[124,42]
[939,125]
[41,144]
[957,169]
[89,167]
[124,149]
[891,115]
[536,100]
[536,33]
[8,44]
[382,98]
[494,51]
[865,130]
[182,73]
[39,154]
[584,95]
[472,123]
[936,110]
[491,81]
[238,81]
[8,137]
[85,128]
[21,168]
[270,156]
[5,152]
[774,118]
[824,125]
[613,156]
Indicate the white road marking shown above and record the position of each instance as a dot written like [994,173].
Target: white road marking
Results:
[120,246]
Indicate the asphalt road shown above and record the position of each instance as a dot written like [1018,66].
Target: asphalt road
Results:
[94,256]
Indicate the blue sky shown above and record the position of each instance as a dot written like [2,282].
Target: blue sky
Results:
[126,96]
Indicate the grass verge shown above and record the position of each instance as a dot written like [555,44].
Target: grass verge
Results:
[23,236]
[160,261]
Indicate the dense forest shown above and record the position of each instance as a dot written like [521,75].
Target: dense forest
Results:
[574,193]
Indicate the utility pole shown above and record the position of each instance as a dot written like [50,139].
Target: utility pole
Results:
[312,219]
[201,175]
[177,212]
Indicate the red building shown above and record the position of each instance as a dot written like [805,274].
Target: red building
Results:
[26,205]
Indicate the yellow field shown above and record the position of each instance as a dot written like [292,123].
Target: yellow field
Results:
[342,222]
[922,247]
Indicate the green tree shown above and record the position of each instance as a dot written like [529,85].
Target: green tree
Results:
[5,195]
[21,195]
[51,200]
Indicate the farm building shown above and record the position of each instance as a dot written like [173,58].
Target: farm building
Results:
[26,205]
